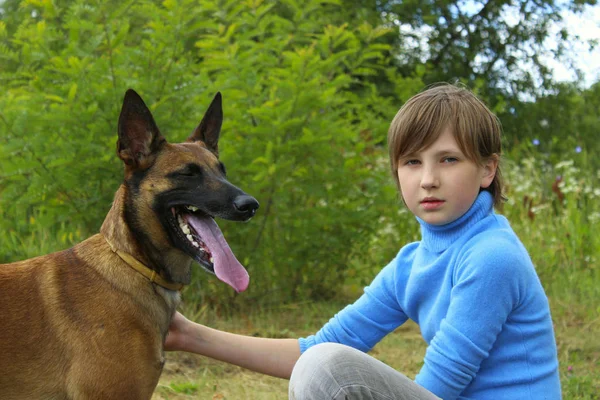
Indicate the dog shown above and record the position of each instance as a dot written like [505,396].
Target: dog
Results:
[90,322]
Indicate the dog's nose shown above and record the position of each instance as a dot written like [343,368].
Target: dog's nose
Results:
[246,204]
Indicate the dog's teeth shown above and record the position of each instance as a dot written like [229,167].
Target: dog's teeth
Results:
[212,260]
[195,244]
[190,238]
[192,208]
[185,229]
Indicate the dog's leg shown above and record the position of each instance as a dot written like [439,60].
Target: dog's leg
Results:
[126,368]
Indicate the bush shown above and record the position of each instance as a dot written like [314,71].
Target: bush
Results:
[303,131]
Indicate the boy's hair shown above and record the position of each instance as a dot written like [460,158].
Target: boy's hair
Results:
[424,117]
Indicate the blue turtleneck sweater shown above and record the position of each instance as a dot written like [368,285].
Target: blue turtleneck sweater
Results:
[472,289]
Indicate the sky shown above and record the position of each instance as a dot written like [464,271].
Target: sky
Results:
[587,26]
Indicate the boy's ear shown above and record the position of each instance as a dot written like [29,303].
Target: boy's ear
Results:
[139,137]
[209,129]
[489,170]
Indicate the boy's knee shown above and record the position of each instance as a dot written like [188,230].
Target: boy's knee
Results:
[315,371]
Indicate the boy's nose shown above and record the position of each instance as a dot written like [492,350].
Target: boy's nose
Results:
[429,179]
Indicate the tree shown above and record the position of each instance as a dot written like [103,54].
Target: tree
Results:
[564,122]
[498,46]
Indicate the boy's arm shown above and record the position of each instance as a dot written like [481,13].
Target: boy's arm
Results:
[375,314]
[275,357]
[488,286]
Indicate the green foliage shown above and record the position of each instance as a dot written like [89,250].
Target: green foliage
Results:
[304,144]
[302,131]
[558,124]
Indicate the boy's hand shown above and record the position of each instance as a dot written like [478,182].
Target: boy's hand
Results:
[176,337]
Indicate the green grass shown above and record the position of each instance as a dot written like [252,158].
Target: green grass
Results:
[404,349]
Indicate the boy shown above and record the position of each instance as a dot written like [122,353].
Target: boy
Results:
[469,283]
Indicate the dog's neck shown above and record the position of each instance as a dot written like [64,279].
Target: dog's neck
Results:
[115,229]
[174,268]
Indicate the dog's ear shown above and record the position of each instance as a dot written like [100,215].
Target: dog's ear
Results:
[210,127]
[139,137]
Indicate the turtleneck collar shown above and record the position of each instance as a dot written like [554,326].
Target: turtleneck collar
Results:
[438,238]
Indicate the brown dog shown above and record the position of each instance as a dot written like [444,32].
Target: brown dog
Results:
[90,322]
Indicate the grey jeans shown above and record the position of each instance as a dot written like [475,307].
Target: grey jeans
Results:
[331,371]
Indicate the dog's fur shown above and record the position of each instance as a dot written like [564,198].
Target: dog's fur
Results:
[81,323]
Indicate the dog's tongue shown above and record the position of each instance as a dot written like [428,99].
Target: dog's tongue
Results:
[227,267]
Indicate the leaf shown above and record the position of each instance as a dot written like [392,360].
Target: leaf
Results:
[55,98]
[72,92]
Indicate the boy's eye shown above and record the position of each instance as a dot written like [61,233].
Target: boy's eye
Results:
[411,162]
[450,159]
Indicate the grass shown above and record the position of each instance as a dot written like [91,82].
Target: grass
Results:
[189,376]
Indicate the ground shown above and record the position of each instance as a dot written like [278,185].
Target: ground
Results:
[189,376]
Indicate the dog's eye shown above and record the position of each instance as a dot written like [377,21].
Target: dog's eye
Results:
[191,170]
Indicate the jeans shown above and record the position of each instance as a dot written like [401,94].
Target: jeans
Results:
[331,371]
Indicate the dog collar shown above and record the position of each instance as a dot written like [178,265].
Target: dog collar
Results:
[142,269]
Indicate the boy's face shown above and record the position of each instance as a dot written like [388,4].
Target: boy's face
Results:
[439,184]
